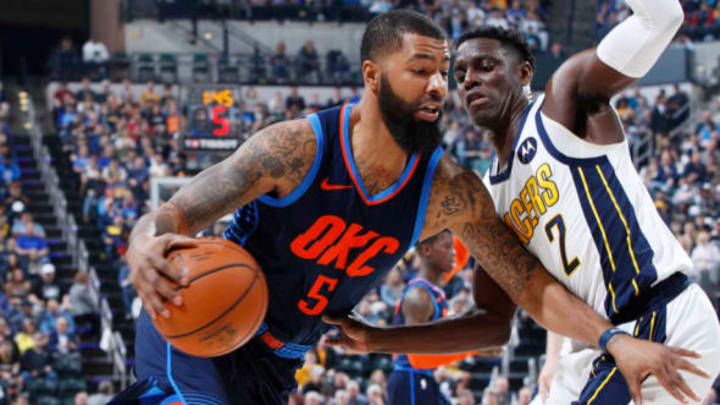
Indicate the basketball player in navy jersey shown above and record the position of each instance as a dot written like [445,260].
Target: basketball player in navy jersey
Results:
[327,204]
[423,300]
[564,180]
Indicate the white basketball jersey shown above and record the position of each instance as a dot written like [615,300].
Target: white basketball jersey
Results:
[584,211]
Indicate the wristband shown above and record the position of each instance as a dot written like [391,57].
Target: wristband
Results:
[607,335]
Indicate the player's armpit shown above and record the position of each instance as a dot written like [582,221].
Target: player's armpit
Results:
[275,160]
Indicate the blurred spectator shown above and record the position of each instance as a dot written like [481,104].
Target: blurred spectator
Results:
[375,395]
[53,312]
[18,286]
[466,397]
[84,307]
[25,339]
[149,96]
[354,395]
[9,168]
[706,258]
[81,398]
[61,339]
[280,63]
[294,102]
[65,62]
[9,358]
[20,226]
[103,395]
[308,61]
[392,288]
[85,91]
[47,288]
[524,396]
[36,362]
[33,248]
[501,390]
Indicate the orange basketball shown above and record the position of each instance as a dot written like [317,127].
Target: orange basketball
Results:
[223,305]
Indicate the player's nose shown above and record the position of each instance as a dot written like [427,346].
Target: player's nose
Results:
[472,79]
[437,86]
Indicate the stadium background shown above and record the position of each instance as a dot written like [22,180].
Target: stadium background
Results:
[107,106]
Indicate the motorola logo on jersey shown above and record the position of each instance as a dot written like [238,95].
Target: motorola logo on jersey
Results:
[526,151]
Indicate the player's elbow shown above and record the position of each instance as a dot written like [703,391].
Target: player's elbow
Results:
[672,17]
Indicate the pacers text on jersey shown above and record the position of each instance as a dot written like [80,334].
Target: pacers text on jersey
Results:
[539,193]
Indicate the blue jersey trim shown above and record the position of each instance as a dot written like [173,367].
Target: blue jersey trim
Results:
[505,174]
[425,195]
[424,371]
[356,173]
[412,388]
[169,374]
[309,177]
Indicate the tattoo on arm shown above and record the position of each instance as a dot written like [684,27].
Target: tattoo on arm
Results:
[500,253]
[460,201]
[274,160]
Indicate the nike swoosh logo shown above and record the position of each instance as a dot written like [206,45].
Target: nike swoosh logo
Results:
[330,187]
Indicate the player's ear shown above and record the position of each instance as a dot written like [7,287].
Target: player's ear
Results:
[371,75]
[525,70]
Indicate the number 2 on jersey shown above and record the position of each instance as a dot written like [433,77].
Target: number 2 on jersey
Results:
[315,293]
[559,223]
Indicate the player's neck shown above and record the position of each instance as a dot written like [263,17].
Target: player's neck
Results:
[373,146]
[503,135]
[432,275]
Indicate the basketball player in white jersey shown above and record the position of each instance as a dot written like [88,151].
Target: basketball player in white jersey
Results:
[563,179]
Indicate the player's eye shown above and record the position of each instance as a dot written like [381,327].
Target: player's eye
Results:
[459,76]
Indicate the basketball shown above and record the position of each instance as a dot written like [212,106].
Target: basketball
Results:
[224,303]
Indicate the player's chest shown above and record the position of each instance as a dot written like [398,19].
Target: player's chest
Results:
[532,197]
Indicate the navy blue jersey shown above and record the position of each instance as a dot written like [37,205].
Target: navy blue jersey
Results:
[326,244]
[440,309]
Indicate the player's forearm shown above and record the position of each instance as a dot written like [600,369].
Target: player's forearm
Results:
[552,306]
[633,47]
[166,219]
[529,284]
[474,330]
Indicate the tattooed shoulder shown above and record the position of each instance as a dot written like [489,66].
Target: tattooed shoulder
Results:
[457,195]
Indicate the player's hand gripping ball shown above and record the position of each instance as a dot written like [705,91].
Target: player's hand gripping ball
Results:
[223,304]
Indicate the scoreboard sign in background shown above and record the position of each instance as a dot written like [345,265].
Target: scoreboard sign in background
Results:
[215,123]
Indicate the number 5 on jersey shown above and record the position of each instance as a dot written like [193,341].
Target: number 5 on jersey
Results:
[316,293]
[559,223]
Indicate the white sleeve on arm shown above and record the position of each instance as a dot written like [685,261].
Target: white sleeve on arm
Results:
[633,47]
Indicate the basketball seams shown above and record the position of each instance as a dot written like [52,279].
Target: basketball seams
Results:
[256,324]
[227,311]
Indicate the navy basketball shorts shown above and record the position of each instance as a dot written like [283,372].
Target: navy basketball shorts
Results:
[252,375]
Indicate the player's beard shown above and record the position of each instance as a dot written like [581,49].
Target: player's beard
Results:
[399,116]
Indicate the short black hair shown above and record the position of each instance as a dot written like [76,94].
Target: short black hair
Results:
[432,238]
[384,32]
[511,38]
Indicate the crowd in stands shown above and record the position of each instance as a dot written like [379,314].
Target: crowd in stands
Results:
[43,323]
[702,19]
[306,65]
[119,140]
